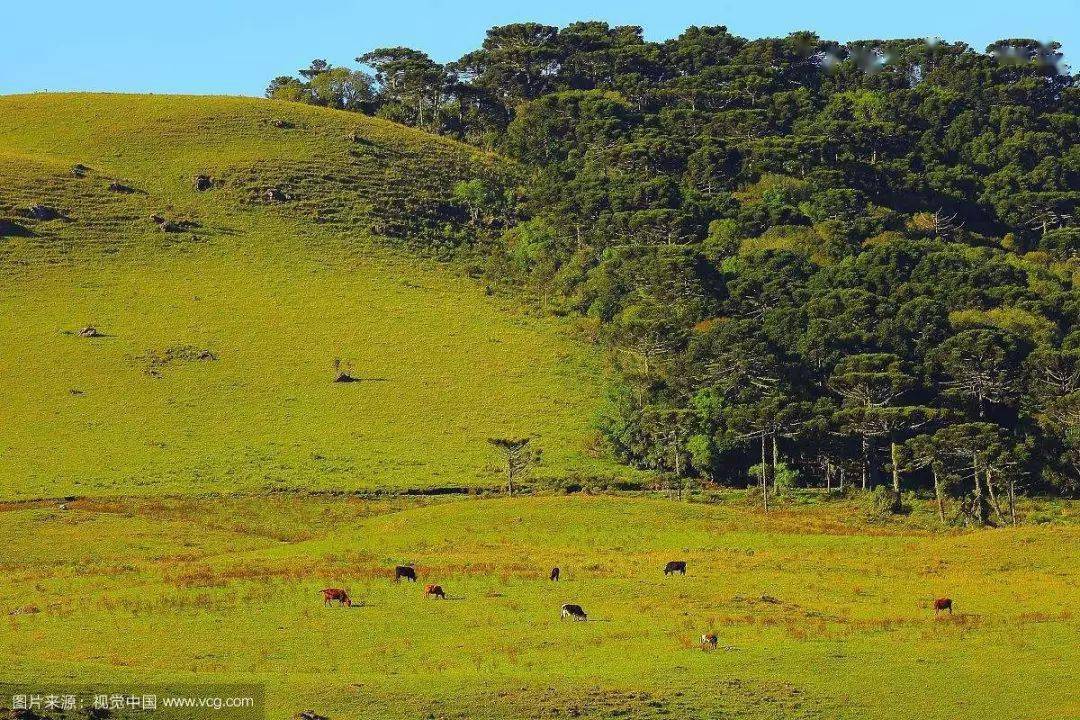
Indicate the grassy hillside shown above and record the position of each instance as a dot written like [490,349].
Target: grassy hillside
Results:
[817,616]
[215,368]
[341,170]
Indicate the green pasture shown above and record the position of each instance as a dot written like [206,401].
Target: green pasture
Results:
[818,616]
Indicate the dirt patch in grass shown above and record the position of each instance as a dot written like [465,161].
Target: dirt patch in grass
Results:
[154,361]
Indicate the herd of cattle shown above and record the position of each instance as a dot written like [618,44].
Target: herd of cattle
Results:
[569,610]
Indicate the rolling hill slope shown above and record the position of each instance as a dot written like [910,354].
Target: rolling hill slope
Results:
[220,339]
[342,170]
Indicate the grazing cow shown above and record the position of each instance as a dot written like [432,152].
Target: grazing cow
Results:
[331,594]
[573,611]
[404,571]
[708,641]
[675,566]
[942,604]
[554,574]
[434,590]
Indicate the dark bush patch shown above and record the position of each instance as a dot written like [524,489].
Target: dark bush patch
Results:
[173,226]
[276,195]
[41,212]
[119,187]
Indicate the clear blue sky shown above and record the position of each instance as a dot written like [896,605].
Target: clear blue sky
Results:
[235,47]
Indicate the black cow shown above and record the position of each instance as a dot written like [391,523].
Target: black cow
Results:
[573,611]
[555,574]
[404,571]
[675,566]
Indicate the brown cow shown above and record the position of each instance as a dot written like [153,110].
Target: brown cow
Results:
[331,594]
[434,590]
[708,641]
[942,604]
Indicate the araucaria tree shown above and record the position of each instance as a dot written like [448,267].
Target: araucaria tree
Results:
[873,386]
[518,456]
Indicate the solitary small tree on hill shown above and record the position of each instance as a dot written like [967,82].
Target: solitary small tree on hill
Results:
[519,458]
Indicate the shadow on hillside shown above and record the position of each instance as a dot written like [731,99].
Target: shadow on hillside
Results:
[347,378]
[124,189]
[14,229]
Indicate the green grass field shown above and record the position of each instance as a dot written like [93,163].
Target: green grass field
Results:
[817,617]
[441,369]
[213,493]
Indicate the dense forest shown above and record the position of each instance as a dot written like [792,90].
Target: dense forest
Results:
[816,263]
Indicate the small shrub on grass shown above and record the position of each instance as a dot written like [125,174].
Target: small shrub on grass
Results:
[881,503]
[786,477]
